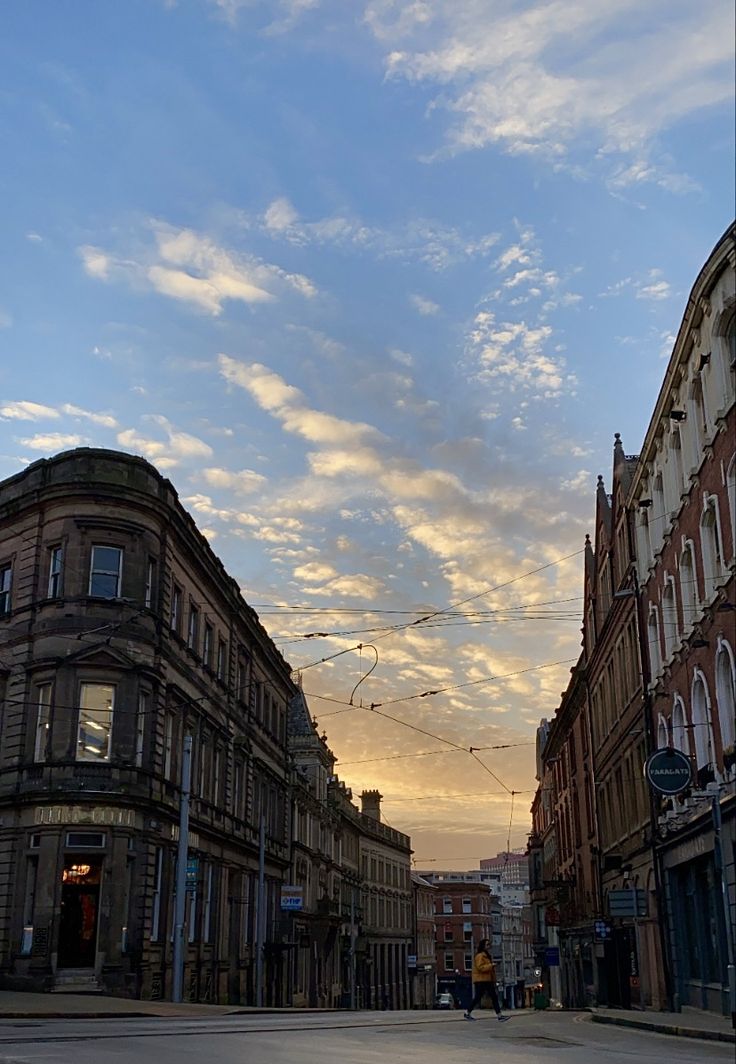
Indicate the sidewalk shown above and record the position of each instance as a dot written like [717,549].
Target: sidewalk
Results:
[690,1023]
[18,1005]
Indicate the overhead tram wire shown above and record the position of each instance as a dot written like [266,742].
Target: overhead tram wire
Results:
[429,753]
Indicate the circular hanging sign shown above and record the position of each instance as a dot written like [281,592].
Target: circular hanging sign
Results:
[669,771]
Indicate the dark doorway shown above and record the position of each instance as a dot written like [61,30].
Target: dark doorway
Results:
[80,904]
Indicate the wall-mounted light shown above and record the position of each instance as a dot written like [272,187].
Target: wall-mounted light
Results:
[677,415]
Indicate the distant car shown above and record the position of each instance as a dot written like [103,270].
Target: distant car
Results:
[444,1001]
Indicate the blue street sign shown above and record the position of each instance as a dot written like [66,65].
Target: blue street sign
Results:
[552,956]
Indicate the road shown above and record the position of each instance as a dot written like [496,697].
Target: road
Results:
[355,1038]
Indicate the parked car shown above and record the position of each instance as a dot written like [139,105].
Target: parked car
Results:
[444,1001]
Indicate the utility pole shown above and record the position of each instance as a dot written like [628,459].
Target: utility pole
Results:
[261,912]
[180,906]
[728,926]
[352,946]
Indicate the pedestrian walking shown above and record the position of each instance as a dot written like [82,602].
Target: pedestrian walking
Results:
[484,981]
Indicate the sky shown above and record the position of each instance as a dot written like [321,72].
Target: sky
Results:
[373,284]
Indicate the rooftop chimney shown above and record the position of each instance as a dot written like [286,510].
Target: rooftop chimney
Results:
[371,804]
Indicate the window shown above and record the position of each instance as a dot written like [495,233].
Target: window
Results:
[662,733]
[150,583]
[55,560]
[140,725]
[688,587]
[85,840]
[168,744]
[449,962]
[6,575]
[467,905]
[679,726]
[702,729]
[669,618]
[447,905]
[467,931]
[95,721]
[43,703]
[449,937]
[221,659]
[207,911]
[207,645]
[105,570]
[193,630]
[710,537]
[176,609]
[468,959]
[158,868]
[216,769]
[726,693]
[655,652]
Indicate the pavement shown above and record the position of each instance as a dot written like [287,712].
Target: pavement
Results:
[17,1005]
[690,1023]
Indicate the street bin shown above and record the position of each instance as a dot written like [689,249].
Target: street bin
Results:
[541,1001]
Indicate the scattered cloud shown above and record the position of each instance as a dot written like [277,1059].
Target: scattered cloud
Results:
[558,78]
[423,305]
[24,410]
[244,482]
[177,445]
[192,268]
[52,441]
[106,421]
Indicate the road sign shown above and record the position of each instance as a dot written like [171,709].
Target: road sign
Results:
[602,931]
[627,902]
[668,771]
[552,956]
[292,899]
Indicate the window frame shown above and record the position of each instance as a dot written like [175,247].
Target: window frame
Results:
[6,588]
[54,585]
[193,626]
[105,572]
[43,719]
[107,757]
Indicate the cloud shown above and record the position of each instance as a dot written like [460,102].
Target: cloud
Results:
[551,78]
[106,421]
[245,482]
[52,441]
[512,354]
[6,319]
[423,305]
[656,290]
[164,453]
[190,267]
[435,244]
[273,394]
[24,410]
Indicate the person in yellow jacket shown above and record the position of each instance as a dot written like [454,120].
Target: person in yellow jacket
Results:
[484,981]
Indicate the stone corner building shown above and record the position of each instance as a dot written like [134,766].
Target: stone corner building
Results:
[119,631]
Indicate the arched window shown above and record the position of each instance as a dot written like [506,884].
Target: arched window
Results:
[726,692]
[655,652]
[702,727]
[661,516]
[670,628]
[663,737]
[699,417]
[731,493]
[712,545]
[679,726]
[644,541]
[678,466]
[688,587]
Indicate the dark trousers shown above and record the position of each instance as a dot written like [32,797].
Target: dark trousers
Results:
[479,992]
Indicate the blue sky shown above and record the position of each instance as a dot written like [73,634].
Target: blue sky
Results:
[374,284]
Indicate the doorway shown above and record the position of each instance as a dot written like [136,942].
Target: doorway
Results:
[80,905]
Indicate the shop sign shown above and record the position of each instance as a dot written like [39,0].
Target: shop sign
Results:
[101,815]
[292,899]
[668,771]
[602,930]
[411,960]
[192,874]
[552,916]
[627,902]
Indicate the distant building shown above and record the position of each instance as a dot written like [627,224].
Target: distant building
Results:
[423,973]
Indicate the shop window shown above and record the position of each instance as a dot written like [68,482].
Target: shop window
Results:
[96,702]
[105,571]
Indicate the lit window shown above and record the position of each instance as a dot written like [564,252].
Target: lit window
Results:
[105,571]
[55,560]
[95,721]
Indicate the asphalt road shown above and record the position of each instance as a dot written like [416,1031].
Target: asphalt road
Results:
[356,1038]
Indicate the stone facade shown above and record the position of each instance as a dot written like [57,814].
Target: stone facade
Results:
[121,632]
